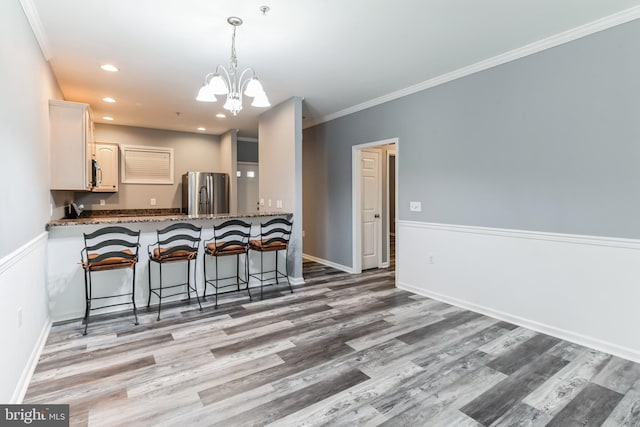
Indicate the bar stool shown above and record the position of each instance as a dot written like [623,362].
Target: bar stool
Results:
[177,242]
[109,248]
[229,238]
[274,237]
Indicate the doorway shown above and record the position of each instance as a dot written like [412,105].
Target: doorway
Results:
[248,191]
[374,203]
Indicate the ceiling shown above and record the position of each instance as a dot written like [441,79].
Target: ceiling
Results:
[334,53]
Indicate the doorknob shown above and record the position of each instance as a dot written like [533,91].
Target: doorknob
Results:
[376,216]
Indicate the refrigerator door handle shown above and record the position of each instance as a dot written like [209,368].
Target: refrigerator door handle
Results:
[209,194]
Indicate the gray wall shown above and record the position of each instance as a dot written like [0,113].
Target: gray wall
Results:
[27,85]
[229,165]
[280,169]
[549,142]
[247,151]
[192,151]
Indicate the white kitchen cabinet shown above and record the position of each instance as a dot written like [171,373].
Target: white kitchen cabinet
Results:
[107,157]
[71,145]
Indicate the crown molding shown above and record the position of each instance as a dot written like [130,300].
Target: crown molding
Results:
[598,25]
[36,26]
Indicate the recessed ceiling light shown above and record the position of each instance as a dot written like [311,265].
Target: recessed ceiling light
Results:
[107,99]
[201,128]
[220,115]
[108,118]
[109,67]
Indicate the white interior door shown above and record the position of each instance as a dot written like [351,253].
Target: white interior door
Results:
[247,179]
[371,208]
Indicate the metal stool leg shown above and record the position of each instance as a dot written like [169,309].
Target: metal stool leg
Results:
[133,295]
[261,274]
[87,293]
[159,289]
[188,280]
[238,270]
[216,284]
[204,271]
[195,289]
[246,269]
[149,299]
[286,269]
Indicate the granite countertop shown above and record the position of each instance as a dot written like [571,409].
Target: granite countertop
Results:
[123,217]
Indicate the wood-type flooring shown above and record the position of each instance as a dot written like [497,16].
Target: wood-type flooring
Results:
[342,350]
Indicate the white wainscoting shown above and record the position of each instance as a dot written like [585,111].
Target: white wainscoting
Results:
[22,287]
[583,289]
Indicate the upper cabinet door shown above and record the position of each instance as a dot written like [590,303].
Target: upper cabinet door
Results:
[70,145]
[106,154]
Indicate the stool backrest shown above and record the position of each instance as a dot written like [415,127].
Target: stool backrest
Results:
[111,242]
[180,237]
[277,230]
[231,234]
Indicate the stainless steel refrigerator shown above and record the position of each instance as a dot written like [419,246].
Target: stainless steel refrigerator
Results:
[205,193]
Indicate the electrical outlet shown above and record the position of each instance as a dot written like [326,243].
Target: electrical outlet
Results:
[279,204]
[102,202]
[153,202]
[20,317]
[415,206]
[261,202]
[269,202]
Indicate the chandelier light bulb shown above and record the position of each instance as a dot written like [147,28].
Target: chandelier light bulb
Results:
[218,85]
[261,101]
[206,94]
[253,87]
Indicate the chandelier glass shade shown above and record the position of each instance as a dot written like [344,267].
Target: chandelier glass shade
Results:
[227,81]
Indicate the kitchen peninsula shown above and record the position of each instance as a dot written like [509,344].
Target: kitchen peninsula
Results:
[65,276]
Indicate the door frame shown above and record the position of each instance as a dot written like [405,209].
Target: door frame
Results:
[395,201]
[356,202]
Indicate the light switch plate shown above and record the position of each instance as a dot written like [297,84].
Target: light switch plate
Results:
[415,206]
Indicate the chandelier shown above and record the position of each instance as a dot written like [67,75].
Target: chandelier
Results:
[228,82]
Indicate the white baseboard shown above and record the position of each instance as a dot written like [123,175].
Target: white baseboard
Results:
[329,263]
[30,367]
[578,288]
[624,352]
[296,281]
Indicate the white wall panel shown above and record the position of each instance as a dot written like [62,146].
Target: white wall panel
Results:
[580,288]
[23,316]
